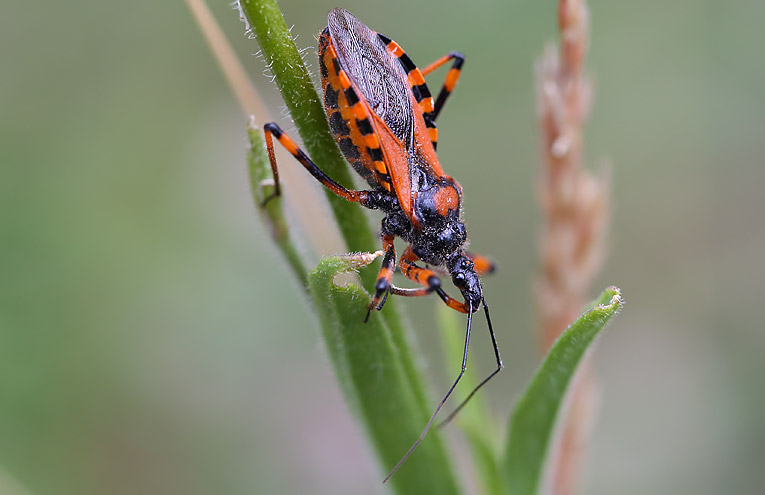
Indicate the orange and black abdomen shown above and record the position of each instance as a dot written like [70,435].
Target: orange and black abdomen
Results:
[349,118]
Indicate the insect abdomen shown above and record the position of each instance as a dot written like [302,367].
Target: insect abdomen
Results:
[349,119]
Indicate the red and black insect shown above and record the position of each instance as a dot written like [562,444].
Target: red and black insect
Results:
[382,116]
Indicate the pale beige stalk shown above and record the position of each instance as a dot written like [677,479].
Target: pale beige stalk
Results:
[575,208]
[301,194]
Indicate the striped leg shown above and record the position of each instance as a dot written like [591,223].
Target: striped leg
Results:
[417,274]
[384,277]
[451,78]
[482,264]
[425,277]
[271,129]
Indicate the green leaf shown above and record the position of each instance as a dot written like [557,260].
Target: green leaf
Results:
[374,380]
[533,420]
[293,80]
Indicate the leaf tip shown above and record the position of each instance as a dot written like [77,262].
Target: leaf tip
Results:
[332,267]
[615,300]
[359,260]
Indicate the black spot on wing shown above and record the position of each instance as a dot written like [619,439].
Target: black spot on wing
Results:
[417,94]
[375,154]
[351,96]
[330,98]
[375,73]
[349,149]
[364,126]
[338,125]
[421,92]
[364,172]
[407,63]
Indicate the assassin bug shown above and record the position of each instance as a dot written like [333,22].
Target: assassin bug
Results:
[382,116]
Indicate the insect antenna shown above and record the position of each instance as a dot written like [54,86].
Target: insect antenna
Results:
[443,401]
[485,380]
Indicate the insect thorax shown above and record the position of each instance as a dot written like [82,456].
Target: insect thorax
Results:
[436,231]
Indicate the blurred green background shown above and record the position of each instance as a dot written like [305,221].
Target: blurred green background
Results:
[153,341]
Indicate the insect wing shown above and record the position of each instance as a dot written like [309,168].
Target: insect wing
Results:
[383,89]
[375,73]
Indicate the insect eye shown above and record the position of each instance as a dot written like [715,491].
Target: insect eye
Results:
[459,279]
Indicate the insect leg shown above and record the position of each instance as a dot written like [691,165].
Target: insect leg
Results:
[417,274]
[426,277]
[450,301]
[271,129]
[482,264]
[485,380]
[385,275]
[422,276]
[451,78]
[443,401]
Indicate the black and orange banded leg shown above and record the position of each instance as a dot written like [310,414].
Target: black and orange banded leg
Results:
[271,129]
[383,278]
[425,291]
[451,78]
[481,264]
[425,277]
